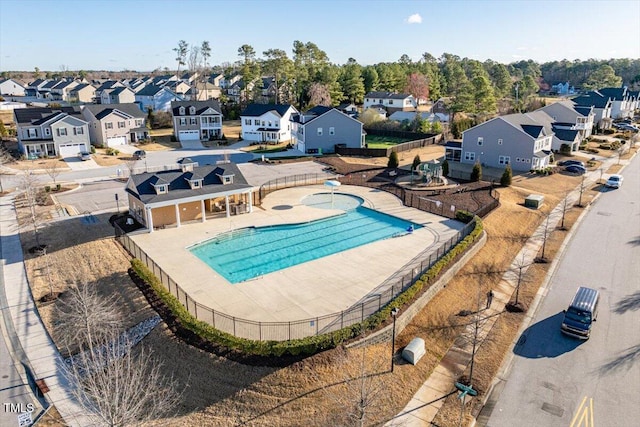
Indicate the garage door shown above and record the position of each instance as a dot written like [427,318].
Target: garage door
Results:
[116,140]
[189,135]
[71,150]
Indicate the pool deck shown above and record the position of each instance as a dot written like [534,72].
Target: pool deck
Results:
[315,288]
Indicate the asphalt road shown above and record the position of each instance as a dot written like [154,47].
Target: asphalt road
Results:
[559,381]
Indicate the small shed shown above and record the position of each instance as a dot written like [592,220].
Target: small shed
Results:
[414,351]
[534,201]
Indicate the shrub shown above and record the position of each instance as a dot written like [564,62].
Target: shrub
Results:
[173,138]
[393,160]
[47,188]
[507,175]
[445,168]
[309,345]
[112,151]
[476,172]
[416,162]
[565,149]
[464,216]
[93,150]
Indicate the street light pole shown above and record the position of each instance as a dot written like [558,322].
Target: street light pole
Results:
[394,314]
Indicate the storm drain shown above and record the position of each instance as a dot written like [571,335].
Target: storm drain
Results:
[552,409]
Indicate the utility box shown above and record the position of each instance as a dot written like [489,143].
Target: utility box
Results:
[414,351]
[534,201]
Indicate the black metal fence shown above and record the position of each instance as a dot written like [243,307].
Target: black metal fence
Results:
[282,331]
[291,181]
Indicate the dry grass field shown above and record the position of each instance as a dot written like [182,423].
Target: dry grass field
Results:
[319,390]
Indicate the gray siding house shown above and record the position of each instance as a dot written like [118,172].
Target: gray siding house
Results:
[320,129]
[513,139]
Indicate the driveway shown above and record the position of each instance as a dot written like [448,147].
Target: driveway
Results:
[75,164]
[95,197]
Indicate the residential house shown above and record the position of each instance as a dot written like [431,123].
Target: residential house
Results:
[178,87]
[566,137]
[562,89]
[44,92]
[623,102]
[513,139]
[188,193]
[156,98]
[201,91]
[349,108]
[12,87]
[390,101]
[196,120]
[567,115]
[117,95]
[320,129]
[112,125]
[33,88]
[84,93]
[267,122]
[217,79]
[409,116]
[107,84]
[601,105]
[189,77]
[50,132]
[163,80]
[60,92]
[441,110]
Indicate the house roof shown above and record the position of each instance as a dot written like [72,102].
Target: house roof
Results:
[150,90]
[36,82]
[409,115]
[593,98]
[615,93]
[50,84]
[179,187]
[119,90]
[255,110]
[565,134]
[108,84]
[80,87]
[102,110]
[525,123]
[201,106]
[36,116]
[387,95]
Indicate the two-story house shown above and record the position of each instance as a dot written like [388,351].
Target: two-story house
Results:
[12,87]
[565,137]
[46,132]
[622,101]
[514,139]
[196,120]
[107,84]
[118,95]
[569,116]
[60,92]
[601,105]
[390,101]
[115,124]
[156,98]
[267,122]
[33,88]
[320,129]
[84,93]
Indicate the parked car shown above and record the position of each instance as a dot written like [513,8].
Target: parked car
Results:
[84,155]
[139,154]
[577,169]
[570,163]
[628,127]
[614,181]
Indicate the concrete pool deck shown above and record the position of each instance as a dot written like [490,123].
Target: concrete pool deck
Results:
[315,288]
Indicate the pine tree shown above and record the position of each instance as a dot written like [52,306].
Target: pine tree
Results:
[445,168]
[393,160]
[476,173]
[505,180]
[416,162]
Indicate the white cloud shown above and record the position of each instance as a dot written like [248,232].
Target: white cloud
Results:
[415,19]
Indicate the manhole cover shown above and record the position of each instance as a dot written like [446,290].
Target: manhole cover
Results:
[552,409]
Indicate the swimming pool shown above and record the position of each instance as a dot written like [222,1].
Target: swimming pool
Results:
[247,253]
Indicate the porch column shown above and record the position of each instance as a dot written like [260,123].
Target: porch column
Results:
[226,203]
[149,217]
[204,213]
[250,201]
[177,205]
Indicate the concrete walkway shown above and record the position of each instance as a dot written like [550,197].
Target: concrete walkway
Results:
[43,355]
[427,401]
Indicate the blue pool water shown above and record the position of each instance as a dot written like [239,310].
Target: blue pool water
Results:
[247,253]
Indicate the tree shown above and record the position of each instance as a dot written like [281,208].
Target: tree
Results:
[3,131]
[194,59]
[82,74]
[352,82]
[507,175]
[53,169]
[476,172]
[205,50]
[278,63]
[483,97]
[31,186]
[542,234]
[418,86]
[501,80]
[36,73]
[416,162]
[181,54]
[603,76]
[369,117]
[393,160]
[250,69]
[369,78]
[318,94]
[519,271]
[445,168]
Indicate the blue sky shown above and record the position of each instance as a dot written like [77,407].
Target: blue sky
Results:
[140,34]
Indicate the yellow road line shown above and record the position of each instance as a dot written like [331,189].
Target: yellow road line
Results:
[575,417]
[584,414]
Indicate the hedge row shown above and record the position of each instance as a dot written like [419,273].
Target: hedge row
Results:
[308,345]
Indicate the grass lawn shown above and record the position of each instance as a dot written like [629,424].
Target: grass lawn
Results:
[377,141]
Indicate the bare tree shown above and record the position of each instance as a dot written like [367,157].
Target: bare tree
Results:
[583,188]
[181,54]
[543,233]
[117,388]
[194,59]
[86,318]
[115,383]
[565,206]
[519,270]
[31,187]
[53,169]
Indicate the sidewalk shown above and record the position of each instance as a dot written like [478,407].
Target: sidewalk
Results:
[427,401]
[42,353]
